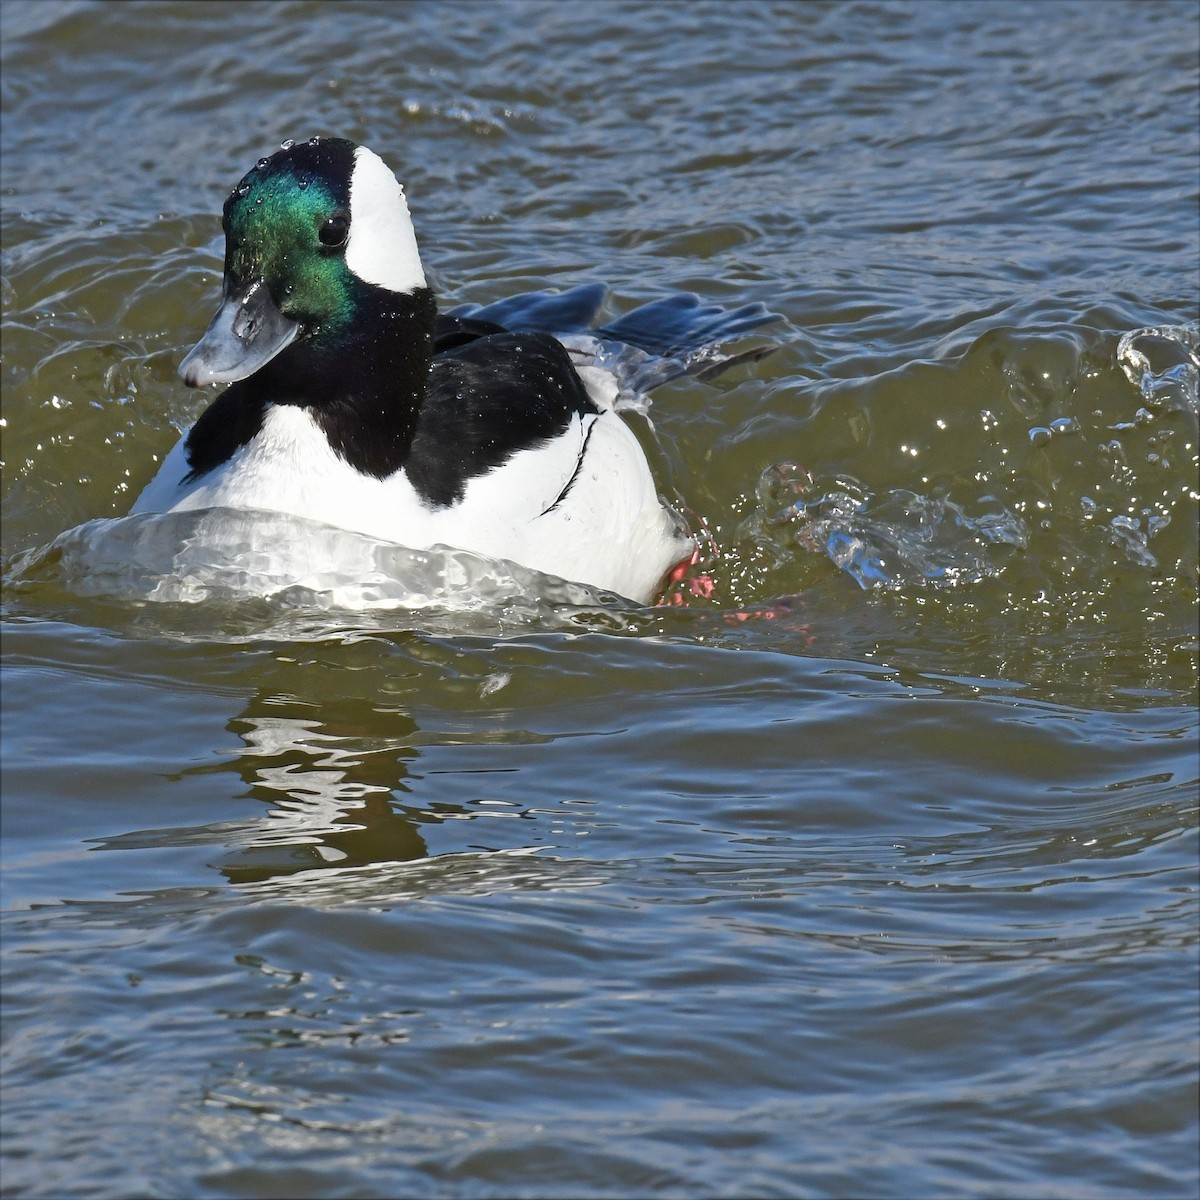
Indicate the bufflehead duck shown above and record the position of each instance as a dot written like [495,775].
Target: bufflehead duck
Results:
[352,402]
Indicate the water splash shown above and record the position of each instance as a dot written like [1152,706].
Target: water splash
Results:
[896,540]
[227,554]
[1163,363]
[1128,534]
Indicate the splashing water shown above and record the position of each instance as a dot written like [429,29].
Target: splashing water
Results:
[1163,363]
[896,540]
[228,554]
[1065,486]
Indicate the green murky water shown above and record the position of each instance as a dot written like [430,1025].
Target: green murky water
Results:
[872,873]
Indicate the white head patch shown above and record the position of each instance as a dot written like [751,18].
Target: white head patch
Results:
[382,248]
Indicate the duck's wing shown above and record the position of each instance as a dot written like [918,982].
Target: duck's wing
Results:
[679,325]
[490,397]
[571,311]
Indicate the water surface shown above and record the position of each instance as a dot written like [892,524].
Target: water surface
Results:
[872,872]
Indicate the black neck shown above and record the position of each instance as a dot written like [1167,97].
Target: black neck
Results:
[364,386]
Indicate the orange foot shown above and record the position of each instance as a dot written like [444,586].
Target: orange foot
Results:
[782,610]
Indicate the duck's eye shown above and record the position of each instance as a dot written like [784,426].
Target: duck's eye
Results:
[334,231]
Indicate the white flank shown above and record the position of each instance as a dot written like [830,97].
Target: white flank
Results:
[382,248]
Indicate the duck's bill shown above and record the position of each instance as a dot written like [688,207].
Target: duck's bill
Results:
[246,333]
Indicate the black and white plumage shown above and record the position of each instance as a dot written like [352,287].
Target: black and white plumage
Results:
[352,402]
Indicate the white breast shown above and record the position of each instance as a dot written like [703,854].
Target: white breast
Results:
[288,466]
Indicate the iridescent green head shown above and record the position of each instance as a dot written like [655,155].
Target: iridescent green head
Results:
[304,229]
[287,223]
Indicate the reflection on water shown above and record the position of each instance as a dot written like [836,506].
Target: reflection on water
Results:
[335,793]
[346,810]
[332,799]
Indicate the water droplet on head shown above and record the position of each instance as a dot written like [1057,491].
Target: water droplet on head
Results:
[262,162]
[312,141]
[287,143]
[241,189]
[302,182]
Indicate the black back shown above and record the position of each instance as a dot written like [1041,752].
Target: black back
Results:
[489,396]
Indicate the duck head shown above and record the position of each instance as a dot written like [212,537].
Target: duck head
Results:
[309,233]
